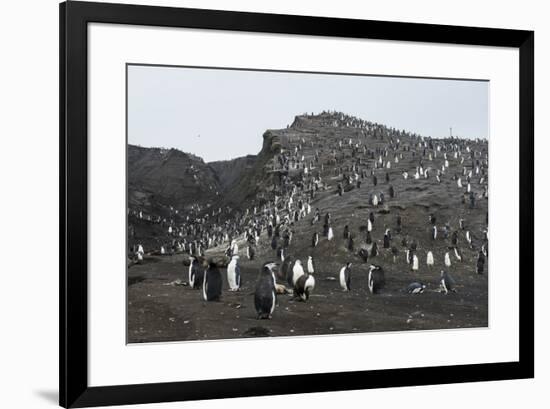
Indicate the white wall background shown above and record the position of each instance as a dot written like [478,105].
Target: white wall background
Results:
[29,204]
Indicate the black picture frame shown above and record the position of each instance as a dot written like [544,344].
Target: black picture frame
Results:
[73,258]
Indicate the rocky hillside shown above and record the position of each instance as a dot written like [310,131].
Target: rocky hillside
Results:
[160,178]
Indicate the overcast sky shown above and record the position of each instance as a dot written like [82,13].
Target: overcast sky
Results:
[222,114]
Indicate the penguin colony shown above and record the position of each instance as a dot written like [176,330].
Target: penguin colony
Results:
[309,177]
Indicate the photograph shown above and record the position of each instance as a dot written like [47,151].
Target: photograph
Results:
[271,203]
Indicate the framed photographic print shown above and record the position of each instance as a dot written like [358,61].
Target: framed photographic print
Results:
[257,204]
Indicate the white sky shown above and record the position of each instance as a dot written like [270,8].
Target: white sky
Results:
[222,114]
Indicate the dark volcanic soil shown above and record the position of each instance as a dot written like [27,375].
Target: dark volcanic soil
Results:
[160,310]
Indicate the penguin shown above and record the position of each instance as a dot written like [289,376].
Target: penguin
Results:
[234,248]
[310,265]
[480,263]
[392,192]
[315,239]
[345,277]
[281,254]
[196,273]
[416,288]
[447,260]
[330,234]
[212,284]
[265,295]
[369,238]
[468,237]
[430,259]
[458,254]
[414,266]
[371,219]
[286,270]
[369,226]
[376,278]
[304,286]
[434,232]
[387,239]
[297,271]
[274,242]
[446,282]
[234,274]
[364,254]
[374,249]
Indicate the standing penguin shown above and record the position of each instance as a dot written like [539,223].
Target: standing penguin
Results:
[345,277]
[376,279]
[430,259]
[315,239]
[196,273]
[434,232]
[265,295]
[458,254]
[387,239]
[447,260]
[286,270]
[364,254]
[310,265]
[212,284]
[330,234]
[297,271]
[454,238]
[446,282]
[234,274]
[304,286]
[281,254]
[414,263]
[374,249]
[480,262]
